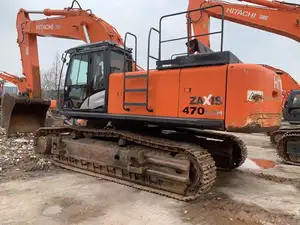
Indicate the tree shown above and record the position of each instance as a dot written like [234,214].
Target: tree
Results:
[50,78]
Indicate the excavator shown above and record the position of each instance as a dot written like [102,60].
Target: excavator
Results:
[27,111]
[164,130]
[252,16]
[289,84]
[21,84]
[277,17]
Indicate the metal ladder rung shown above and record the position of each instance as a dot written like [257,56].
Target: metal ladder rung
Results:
[136,76]
[152,57]
[130,60]
[134,104]
[136,90]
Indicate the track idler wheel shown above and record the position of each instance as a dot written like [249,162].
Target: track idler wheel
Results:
[43,145]
[288,148]
[275,136]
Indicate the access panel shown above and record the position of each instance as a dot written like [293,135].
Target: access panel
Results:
[202,92]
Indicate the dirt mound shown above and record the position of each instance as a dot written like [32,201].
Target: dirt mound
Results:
[17,158]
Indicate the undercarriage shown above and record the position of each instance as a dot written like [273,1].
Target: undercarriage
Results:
[286,142]
[276,135]
[179,164]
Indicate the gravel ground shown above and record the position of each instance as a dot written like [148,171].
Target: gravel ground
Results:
[45,194]
[18,160]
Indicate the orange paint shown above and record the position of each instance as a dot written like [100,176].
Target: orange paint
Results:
[264,164]
[53,104]
[170,91]
[281,18]
[67,24]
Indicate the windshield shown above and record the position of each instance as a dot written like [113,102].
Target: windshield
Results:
[78,70]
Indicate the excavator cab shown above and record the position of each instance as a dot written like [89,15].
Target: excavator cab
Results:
[86,80]
[291,111]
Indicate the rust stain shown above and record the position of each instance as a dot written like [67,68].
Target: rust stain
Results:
[258,122]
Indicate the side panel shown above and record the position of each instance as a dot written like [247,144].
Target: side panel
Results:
[253,98]
[202,92]
[163,93]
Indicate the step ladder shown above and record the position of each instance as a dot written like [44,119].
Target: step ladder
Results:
[145,76]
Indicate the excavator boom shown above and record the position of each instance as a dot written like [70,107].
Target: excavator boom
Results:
[274,17]
[69,23]
[20,82]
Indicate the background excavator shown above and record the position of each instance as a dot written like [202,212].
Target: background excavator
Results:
[27,111]
[289,84]
[273,16]
[269,18]
[21,84]
[158,130]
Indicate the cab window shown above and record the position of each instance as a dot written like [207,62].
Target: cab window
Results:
[117,63]
[78,70]
[98,71]
[296,100]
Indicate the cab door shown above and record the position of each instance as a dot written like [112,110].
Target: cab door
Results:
[291,112]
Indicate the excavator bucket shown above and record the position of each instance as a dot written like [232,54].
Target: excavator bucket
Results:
[22,114]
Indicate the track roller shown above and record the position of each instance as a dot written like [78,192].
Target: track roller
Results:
[171,168]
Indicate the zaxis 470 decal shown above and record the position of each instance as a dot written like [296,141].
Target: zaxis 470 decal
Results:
[201,111]
[206,100]
[203,100]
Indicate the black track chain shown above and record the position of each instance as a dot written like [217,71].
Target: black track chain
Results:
[275,134]
[204,160]
[281,146]
[223,136]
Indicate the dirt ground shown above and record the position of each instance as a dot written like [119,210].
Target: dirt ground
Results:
[32,191]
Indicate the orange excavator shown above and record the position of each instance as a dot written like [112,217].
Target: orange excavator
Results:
[21,84]
[160,130]
[277,17]
[26,112]
[273,16]
[289,84]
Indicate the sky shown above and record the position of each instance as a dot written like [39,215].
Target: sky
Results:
[137,16]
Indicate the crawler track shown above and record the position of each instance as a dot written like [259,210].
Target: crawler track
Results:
[228,151]
[201,175]
[276,135]
[282,149]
